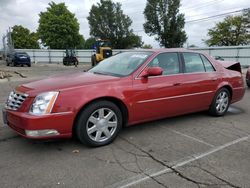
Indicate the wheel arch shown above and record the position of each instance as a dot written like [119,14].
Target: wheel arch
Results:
[229,88]
[120,104]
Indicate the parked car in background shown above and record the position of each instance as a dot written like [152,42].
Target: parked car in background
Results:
[219,58]
[18,58]
[248,77]
[123,90]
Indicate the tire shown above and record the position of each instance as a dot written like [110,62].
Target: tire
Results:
[103,119]
[93,61]
[220,103]
[248,84]
[29,65]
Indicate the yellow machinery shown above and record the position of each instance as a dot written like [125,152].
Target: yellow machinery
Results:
[103,50]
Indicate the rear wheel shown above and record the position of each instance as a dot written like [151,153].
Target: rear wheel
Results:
[99,123]
[220,103]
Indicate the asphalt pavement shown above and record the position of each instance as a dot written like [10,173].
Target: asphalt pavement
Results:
[194,150]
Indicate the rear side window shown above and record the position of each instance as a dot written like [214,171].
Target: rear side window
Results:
[169,62]
[208,66]
[193,63]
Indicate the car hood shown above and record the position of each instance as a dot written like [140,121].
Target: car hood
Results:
[65,81]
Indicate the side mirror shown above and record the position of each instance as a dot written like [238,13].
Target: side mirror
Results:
[152,71]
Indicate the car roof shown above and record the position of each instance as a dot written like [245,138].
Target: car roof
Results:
[21,52]
[160,50]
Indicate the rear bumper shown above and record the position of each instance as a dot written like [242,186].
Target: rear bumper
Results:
[238,94]
[21,122]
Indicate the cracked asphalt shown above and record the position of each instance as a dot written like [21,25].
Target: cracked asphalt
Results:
[194,150]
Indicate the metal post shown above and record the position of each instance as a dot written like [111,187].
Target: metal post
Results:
[11,43]
[34,57]
[4,47]
[238,53]
[49,56]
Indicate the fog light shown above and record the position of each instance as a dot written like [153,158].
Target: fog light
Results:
[38,133]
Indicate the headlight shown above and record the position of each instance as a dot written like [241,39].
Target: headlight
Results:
[43,103]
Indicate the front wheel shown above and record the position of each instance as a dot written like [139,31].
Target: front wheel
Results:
[220,103]
[99,123]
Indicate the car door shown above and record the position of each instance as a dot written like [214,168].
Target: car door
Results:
[201,78]
[159,96]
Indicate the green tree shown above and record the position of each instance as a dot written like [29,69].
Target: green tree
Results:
[23,38]
[147,46]
[81,44]
[107,21]
[232,31]
[89,43]
[59,28]
[164,21]
[246,17]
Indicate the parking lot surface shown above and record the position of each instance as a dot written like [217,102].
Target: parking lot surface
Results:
[194,150]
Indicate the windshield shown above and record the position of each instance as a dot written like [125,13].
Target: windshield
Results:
[122,64]
[104,44]
[21,54]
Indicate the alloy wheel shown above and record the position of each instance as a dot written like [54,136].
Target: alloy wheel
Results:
[222,102]
[102,124]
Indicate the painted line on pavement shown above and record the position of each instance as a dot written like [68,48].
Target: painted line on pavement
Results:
[142,177]
[193,138]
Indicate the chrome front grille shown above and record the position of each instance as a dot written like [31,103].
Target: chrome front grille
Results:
[15,100]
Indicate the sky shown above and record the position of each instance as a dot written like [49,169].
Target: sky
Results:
[26,13]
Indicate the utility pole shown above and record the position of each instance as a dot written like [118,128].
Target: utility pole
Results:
[4,46]
[10,42]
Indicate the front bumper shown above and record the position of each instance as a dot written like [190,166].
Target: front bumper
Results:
[55,125]
[23,62]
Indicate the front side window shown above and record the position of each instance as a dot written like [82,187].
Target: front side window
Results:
[193,63]
[169,62]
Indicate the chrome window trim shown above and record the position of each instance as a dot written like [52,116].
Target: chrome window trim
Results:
[174,97]
[137,77]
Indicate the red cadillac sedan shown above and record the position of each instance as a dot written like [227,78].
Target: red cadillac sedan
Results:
[123,90]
